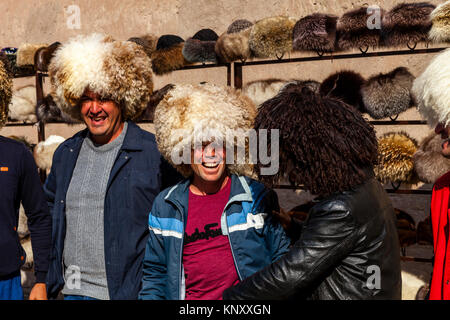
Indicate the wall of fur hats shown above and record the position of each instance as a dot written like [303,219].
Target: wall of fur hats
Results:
[377,87]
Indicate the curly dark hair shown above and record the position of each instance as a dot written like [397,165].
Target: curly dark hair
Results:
[325,144]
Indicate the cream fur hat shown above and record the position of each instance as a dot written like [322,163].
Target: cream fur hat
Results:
[119,70]
[191,114]
[432,90]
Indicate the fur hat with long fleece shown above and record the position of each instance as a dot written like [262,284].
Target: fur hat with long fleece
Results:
[272,37]
[44,150]
[389,94]
[429,163]
[5,93]
[191,114]
[23,104]
[440,18]
[118,70]
[432,90]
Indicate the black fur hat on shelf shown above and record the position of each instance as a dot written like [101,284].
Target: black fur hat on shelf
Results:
[200,48]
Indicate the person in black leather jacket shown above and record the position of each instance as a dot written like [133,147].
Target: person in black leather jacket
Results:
[348,245]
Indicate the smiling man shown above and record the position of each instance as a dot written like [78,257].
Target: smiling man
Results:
[432,91]
[104,179]
[215,228]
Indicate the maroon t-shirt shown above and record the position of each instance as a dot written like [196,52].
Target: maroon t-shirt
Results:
[207,259]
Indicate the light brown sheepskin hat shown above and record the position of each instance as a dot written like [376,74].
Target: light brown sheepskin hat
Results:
[118,70]
[190,114]
[440,18]
[26,52]
[5,93]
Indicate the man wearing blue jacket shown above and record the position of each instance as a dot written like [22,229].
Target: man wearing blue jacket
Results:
[104,179]
[20,183]
[215,228]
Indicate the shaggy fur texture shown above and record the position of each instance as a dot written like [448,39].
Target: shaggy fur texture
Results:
[233,46]
[192,114]
[170,59]
[406,23]
[316,32]
[345,85]
[155,99]
[5,93]
[43,152]
[48,111]
[23,104]
[195,50]
[272,37]
[119,70]
[324,144]
[440,18]
[148,43]
[26,52]
[431,90]
[352,30]
[429,163]
[385,95]
[44,55]
[395,162]
[261,90]
[310,84]
[239,25]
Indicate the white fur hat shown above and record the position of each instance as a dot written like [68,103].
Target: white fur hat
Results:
[432,90]
[191,114]
[23,105]
[44,150]
[119,70]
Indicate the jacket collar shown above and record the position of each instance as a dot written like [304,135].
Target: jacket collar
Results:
[131,142]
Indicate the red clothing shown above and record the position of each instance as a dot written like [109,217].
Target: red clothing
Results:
[440,282]
[207,259]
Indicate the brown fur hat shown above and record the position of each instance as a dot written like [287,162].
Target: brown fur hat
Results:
[233,45]
[429,163]
[272,37]
[323,143]
[26,52]
[5,93]
[386,95]
[353,31]
[344,85]
[119,70]
[395,161]
[168,56]
[440,18]
[148,42]
[200,48]
[316,32]
[406,24]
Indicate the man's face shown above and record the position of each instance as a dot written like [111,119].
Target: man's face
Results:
[444,132]
[208,162]
[102,117]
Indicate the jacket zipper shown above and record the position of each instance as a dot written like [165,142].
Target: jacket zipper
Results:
[181,251]
[229,241]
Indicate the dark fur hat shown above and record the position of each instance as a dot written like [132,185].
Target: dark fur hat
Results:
[195,50]
[316,32]
[344,85]
[353,32]
[323,143]
[395,161]
[272,37]
[239,25]
[147,42]
[406,24]
[167,41]
[168,59]
[429,163]
[48,111]
[206,35]
[156,97]
[44,55]
[386,95]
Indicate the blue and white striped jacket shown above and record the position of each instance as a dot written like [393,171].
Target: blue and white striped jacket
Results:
[256,239]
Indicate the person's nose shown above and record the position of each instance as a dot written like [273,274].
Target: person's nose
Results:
[95,107]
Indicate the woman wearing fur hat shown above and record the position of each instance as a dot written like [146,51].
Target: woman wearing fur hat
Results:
[348,246]
[103,180]
[432,92]
[215,228]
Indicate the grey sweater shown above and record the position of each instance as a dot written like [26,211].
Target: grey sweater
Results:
[84,249]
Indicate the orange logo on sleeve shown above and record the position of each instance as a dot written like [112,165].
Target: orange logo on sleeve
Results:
[3,169]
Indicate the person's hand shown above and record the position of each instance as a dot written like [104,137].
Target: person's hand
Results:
[284,218]
[39,292]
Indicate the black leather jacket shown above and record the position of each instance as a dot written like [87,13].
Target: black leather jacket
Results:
[348,249]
